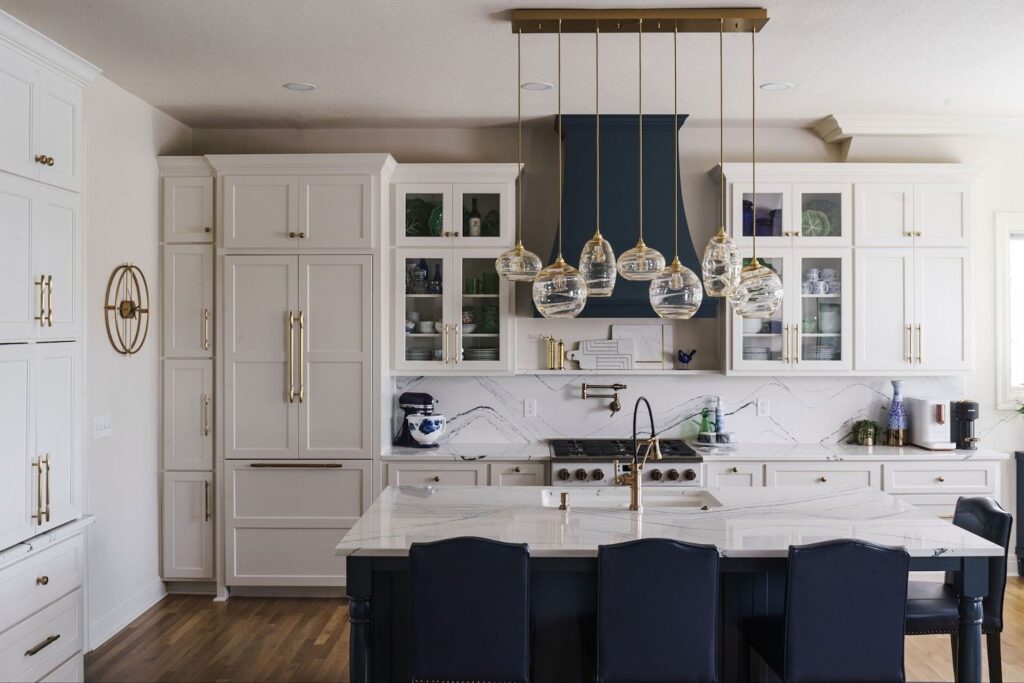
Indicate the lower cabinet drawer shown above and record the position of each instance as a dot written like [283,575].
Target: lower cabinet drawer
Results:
[518,474]
[40,643]
[429,474]
[284,557]
[29,585]
[71,671]
[936,477]
[829,474]
[743,474]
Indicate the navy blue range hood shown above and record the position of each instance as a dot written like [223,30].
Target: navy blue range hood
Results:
[619,196]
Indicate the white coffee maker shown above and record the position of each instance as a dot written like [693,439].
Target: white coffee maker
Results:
[930,422]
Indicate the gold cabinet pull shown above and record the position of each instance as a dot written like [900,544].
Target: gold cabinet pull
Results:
[517,469]
[32,651]
[291,357]
[437,477]
[796,344]
[206,500]
[38,465]
[444,343]
[47,511]
[920,343]
[42,580]
[206,228]
[206,414]
[49,161]
[297,235]
[457,346]
[919,233]
[297,465]
[734,470]
[206,329]
[41,159]
[785,344]
[941,478]
[41,284]
[822,479]
[49,301]
[302,356]
[909,343]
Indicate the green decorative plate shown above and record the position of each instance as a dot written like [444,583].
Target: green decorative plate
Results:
[815,223]
[436,221]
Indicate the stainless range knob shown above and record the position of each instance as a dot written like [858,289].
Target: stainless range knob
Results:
[581,474]
[689,475]
[673,474]
[563,474]
[597,474]
[656,475]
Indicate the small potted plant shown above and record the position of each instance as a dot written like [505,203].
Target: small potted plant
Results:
[864,432]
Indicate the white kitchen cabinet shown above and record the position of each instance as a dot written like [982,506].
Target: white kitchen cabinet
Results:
[18,88]
[335,211]
[71,671]
[58,131]
[53,635]
[22,593]
[58,430]
[18,436]
[188,415]
[518,474]
[436,473]
[188,525]
[884,309]
[867,474]
[188,209]
[791,214]
[431,214]
[942,215]
[935,214]
[742,474]
[260,210]
[298,356]
[942,301]
[188,322]
[20,295]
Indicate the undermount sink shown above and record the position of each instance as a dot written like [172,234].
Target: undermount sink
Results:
[617,497]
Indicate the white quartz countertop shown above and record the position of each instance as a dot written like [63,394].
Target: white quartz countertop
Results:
[837,452]
[741,522]
[471,451]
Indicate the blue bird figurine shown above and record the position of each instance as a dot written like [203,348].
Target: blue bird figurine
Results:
[685,358]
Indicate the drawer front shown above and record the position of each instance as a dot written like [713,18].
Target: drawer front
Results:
[954,478]
[29,585]
[816,474]
[402,474]
[42,642]
[518,474]
[71,671]
[743,474]
[285,557]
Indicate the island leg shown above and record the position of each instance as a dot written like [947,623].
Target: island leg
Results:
[974,587]
[360,652]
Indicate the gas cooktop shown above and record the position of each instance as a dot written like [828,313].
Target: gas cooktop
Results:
[672,449]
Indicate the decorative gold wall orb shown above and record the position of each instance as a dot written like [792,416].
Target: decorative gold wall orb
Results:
[126,309]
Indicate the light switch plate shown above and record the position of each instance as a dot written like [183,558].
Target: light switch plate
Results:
[529,407]
[764,407]
[102,427]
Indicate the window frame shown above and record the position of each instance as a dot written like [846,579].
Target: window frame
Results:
[1008,224]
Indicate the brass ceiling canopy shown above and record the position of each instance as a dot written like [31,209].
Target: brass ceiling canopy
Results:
[683,20]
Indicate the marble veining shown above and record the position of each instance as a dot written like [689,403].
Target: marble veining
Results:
[458,451]
[838,452]
[740,522]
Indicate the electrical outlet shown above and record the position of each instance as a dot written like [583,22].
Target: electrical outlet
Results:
[529,407]
[764,407]
[102,427]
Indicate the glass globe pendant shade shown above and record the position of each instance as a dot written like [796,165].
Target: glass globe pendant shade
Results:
[597,266]
[518,264]
[641,263]
[759,293]
[721,265]
[676,293]
[559,291]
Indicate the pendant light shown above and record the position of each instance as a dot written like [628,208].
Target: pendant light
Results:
[641,262]
[676,293]
[721,264]
[559,290]
[597,261]
[518,264]
[759,293]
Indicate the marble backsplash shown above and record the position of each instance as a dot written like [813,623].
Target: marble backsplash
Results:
[801,409]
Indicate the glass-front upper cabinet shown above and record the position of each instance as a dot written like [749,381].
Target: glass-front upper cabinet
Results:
[765,343]
[799,214]
[439,214]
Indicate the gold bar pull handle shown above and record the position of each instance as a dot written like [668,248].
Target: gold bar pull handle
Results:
[32,651]
[920,343]
[444,343]
[38,465]
[909,343]
[49,301]
[47,511]
[291,357]
[206,329]
[302,356]
[206,500]
[296,465]
[457,346]
[41,284]
[206,414]
[785,344]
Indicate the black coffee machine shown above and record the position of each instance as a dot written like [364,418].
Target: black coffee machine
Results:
[414,403]
[961,429]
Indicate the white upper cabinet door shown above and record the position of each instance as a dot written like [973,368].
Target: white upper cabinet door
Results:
[884,309]
[58,132]
[187,525]
[942,215]
[188,415]
[57,256]
[423,214]
[770,343]
[772,218]
[58,429]
[884,215]
[20,302]
[261,211]
[335,211]
[17,437]
[17,115]
[188,301]
[261,328]
[483,214]
[942,331]
[188,210]
[822,215]
[335,341]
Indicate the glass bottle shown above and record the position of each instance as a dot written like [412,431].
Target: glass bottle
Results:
[705,421]
[435,285]
[475,221]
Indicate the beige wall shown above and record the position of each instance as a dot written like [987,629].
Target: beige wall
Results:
[123,137]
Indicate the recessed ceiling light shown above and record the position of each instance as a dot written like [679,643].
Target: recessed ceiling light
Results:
[537,86]
[777,85]
[299,87]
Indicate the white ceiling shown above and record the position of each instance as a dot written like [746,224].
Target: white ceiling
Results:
[221,63]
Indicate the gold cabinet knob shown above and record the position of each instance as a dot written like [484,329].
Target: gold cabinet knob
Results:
[49,161]
[734,470]
[41,159]
[437,478]
[822,479]
[302,235]
[919,233]
[292,235]
[941,478]
[517,469]
[446,233]
[457,234]
[42,580]
[206,229]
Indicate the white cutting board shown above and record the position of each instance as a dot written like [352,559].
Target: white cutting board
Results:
[603,354]
[652,344]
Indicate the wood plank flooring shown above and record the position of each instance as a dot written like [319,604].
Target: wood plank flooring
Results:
[191,638]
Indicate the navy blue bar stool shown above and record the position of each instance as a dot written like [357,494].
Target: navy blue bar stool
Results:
[845,612]
[932,606]
[470,611]
[657,612]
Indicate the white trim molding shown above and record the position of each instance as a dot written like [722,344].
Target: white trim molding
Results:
[1008,223]
[113,622]
[32,44]
[838,127]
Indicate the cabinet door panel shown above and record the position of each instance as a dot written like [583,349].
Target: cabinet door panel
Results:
[884,215]
[335,299]
[17,436]
[829,474]
[518,474]
[187,525]
[58,428]
[188,209]
[261,211]
[188,301]
[884,309]
[58,128]
[335,211]
[769,344]
[942,215]
[56,252]
[942,281]
[747,474]
[430,474]
[17,115]
[188,415]
[415,205]
[19,296]
[259,419]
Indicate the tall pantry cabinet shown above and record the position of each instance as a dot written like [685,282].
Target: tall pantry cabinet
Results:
[41,364]
[271,379]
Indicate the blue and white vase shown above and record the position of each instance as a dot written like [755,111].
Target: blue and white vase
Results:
[897,424]
[426,429]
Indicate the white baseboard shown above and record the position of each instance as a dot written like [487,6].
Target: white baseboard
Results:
[102,629]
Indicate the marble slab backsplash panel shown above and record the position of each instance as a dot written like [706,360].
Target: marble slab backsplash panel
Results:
[801,409]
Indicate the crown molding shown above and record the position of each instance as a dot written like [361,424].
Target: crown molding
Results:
[846,172]
[183,166]
[301,163]
[33,45]
[837,127]
[457,172]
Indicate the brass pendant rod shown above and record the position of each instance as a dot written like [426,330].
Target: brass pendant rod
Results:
[597,128]
[753,140]
[721,126]
[560,134]
[675,135]
[519,133]
[660,20]
[640,117]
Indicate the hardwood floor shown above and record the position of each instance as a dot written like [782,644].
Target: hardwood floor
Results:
[190,638]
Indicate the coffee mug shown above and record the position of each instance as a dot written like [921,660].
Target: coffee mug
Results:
[829,274]
[812,274]
[821,287]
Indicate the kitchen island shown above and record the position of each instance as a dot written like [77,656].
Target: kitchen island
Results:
[752,528]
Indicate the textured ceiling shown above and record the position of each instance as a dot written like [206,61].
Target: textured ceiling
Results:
[221,63]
